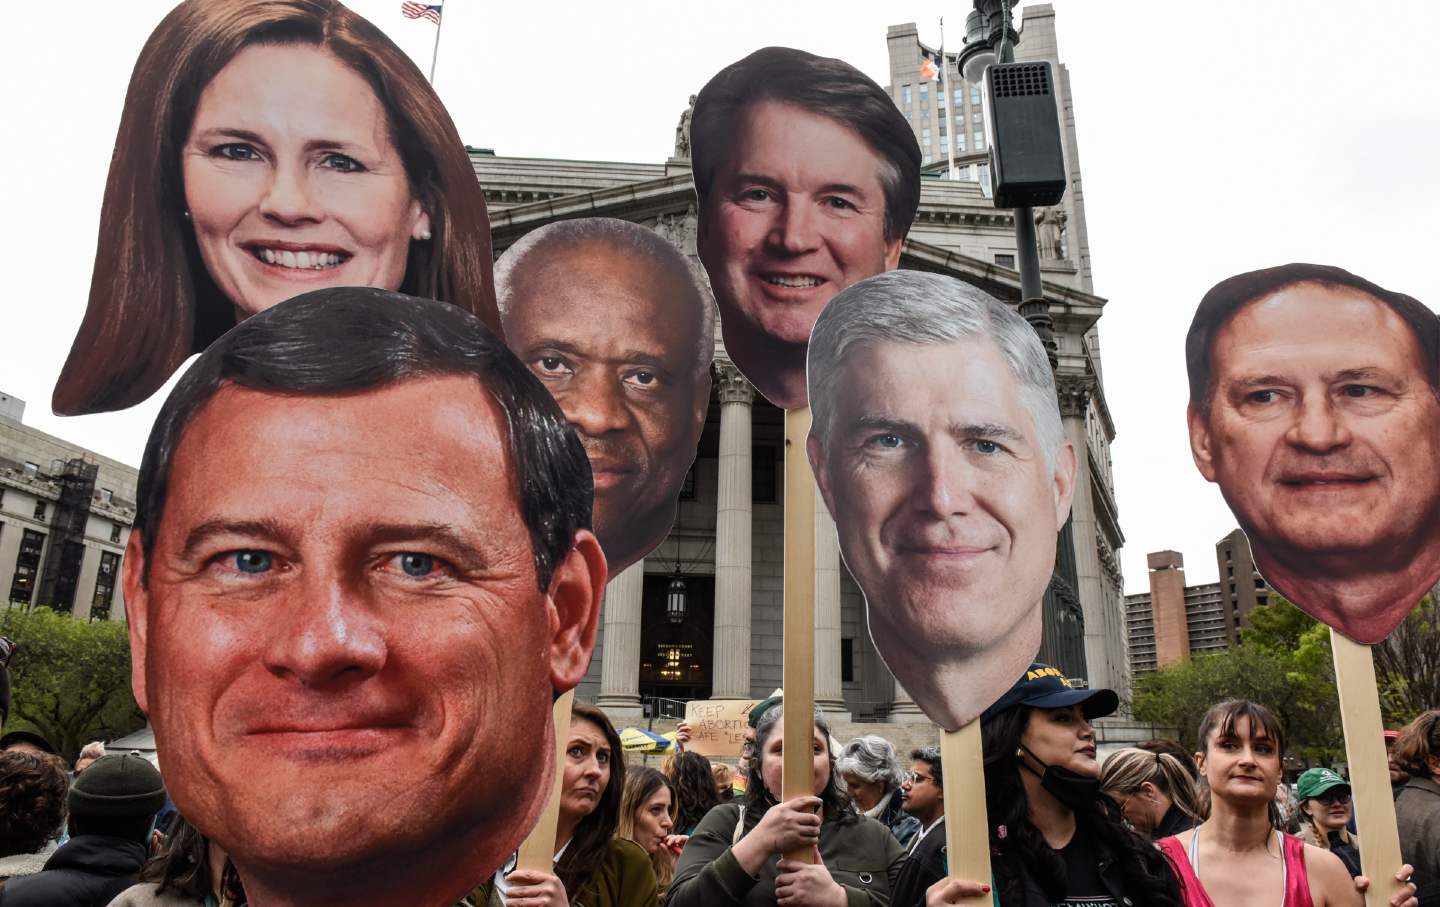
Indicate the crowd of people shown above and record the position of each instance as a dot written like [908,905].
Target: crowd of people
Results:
[1153,825]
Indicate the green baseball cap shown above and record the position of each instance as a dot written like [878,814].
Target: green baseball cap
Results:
[1316,781]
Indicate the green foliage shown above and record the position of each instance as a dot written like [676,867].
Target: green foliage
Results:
[1283,663]
[70,678]
[1407,665]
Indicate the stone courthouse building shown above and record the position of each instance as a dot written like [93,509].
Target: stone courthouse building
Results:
[722,636]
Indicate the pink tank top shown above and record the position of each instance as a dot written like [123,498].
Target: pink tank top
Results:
[1292,867]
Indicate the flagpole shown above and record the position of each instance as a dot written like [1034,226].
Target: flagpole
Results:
[435,52]
[945,93]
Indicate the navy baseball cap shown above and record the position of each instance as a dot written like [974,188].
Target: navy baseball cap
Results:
[1044,687]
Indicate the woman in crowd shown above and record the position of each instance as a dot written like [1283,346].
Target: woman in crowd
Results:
[873,776]
[1054,838]
[266,149]
[1237,856]
[694,788]
[1324,812]
[188,871]
[724,779]
[734,856]
[1417,808]
[593,866]
[647,817]
[1155,791]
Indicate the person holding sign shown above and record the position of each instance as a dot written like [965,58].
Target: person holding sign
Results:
[734,856]
[938,447]
[361,570]
[1054,838]
[1237,856]
[1315,406]
[808,178]
[268,148]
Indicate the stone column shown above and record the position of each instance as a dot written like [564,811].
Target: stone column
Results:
[904,710]
[1074,393]
[829,688]
[620,660]
[730,677]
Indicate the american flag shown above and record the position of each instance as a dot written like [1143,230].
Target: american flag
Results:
[412,10]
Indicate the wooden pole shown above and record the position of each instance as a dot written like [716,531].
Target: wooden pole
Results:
[967,826]
[537,851]
[799,607]
[1369,768]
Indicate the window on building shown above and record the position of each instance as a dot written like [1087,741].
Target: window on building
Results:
[115,527]
[764,487]
[942,134]
[104,585]
[57,466]
[107,496]
[975,94]
[27,567]
[940,112]
[959,95]
[31,470]
[925,136]
[39,510]
[905,90]
[959,141]
[847,660]
[1005,259]
[979,140]
[977,117]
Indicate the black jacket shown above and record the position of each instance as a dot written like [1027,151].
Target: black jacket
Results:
[1111,877]
[1172,823]
[88,871]
[926,865]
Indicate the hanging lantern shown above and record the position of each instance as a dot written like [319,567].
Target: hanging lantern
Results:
[675,600]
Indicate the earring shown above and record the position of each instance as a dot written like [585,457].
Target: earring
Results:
[424,235]
[187,214]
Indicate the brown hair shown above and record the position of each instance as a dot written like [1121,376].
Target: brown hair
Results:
[640,785]
[32,800]
[591,840]
[1223,717]
[1418,742]
[820,85]
[152,302]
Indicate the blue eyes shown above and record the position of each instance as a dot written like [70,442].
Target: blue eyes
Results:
[417,564]
[253,561]
[888,441]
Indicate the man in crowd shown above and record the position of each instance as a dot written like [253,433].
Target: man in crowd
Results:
[1315,405]
[112,820]
[923,796]
[938,448]
[615,323]
[33,790]
[808,178]
[361,570]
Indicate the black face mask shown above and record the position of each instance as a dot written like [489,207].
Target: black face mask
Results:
[1070,788]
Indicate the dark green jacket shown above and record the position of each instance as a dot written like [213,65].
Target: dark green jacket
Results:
[625,879]
[1417,815]
[860,853]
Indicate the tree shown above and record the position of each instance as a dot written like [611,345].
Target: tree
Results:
[1407,665]
[1283,663]
[71,678]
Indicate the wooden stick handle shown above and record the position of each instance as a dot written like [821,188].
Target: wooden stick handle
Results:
[537,851]
[1369,767]
[799,616]
[967,826]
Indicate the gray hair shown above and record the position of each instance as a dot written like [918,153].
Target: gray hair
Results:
[871,758]
[920,308]
[620,235]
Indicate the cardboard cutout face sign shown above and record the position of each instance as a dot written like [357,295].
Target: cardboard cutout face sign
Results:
[1315,406]
[938,448]
[346,622]
[808,177]
[614,322]
[268,148]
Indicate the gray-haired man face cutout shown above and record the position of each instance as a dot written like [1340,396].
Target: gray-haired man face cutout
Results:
[947,507]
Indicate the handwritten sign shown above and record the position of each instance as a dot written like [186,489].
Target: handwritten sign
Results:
[717,726]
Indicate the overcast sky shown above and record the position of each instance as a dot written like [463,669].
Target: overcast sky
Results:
[1214,138]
